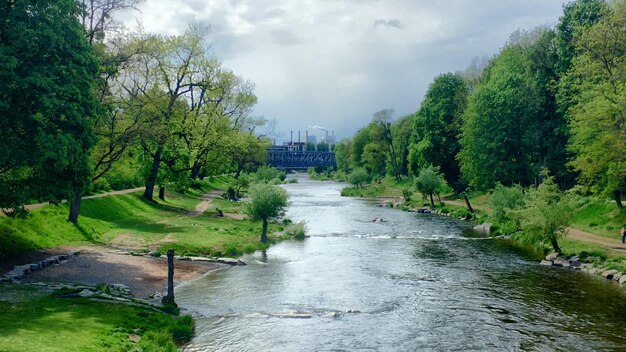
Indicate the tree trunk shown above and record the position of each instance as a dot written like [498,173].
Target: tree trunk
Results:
[75,205]
[467,202]
[264,233]
[151,181]
[239,169]
[195,170]
[431,200]
[618,198]
[439,198]
[162,193]
[555,245]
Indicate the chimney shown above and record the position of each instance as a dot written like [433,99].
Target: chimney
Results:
[291,137]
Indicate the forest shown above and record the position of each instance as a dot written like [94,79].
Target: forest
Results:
[88,105]
[548,109]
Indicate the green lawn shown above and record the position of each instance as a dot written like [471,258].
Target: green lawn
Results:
[35,320]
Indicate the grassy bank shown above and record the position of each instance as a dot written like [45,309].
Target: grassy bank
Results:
[596,216]
[34,319]
[130,221]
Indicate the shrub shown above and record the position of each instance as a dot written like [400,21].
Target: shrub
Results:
[297,229]
[157,342]
[266,173]
[358,177]
[505,198]
[183,328]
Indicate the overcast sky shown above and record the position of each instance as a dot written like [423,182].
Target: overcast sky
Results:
[333,63]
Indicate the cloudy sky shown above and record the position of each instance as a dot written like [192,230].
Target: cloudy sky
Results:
[333,63]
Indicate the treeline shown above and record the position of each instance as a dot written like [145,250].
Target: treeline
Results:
[551,102]
[86,105]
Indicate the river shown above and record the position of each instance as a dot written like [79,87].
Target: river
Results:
[413,282]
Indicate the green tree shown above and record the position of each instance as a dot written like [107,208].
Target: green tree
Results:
[265,202]
[358,177]
[401,131]
[47,105]
[498,138]
[382,132]
[438,126]
[546,214]
[504,199]
[598,114]
[429,181]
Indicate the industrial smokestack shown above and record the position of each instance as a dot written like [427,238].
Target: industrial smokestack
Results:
[306,138]
[291,137]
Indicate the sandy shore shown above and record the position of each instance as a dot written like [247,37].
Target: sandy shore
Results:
[143,275]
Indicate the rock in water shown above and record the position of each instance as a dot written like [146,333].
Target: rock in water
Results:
[546,263]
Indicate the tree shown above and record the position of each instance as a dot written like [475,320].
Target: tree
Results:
[382,131]
[358,177]
[265,202]
[429,181]
[498,138]
[47,105]
[438,126]
[401,131]
[598,111]
[546,214]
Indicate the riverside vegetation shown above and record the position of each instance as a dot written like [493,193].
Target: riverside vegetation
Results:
[536,133]
[33,315]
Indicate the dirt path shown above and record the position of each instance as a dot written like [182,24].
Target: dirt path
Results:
[207,198]
[572,233]
[100,195]
[143,275]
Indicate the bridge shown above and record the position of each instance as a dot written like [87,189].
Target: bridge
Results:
[283,158]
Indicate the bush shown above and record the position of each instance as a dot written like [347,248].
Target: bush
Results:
[157,342]
[266,173]
[358,177]
[504,199]
[231,194]
[183,329]
[297,229]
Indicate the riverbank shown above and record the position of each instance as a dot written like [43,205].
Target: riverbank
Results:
[120,241]
[593,233]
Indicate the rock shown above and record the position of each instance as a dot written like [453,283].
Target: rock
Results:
[593,270]
[378,220]
[483,229]
[86,293]
[231,261]
[546,263]
[574,258]
[617,276]
[608,274]
[201,259]
[119,287]
[586,266]
[178,257]
[259,262]
[622,279]
[552,256]
[35,266]
[561,261]
[134,338]
[574,263]
[331,315]
[155,254]
[353,311]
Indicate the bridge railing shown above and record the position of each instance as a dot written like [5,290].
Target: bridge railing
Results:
[300,159]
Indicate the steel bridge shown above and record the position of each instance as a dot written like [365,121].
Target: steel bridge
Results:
[287,159]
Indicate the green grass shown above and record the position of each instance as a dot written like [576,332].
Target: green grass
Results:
[43,322]
[151,225]
[600,217]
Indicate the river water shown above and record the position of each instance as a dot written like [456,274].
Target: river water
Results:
[413,282]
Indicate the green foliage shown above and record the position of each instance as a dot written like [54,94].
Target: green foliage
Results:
[266,173]
[438,125]
[429,182]
[598,87]
[498,140]
[546,214]
[47,106]
[183,328]
[358,177]
[504,199]
[265,202]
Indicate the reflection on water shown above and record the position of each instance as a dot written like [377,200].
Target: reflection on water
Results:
[412,282]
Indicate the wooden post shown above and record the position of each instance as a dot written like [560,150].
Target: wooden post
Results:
[169,299]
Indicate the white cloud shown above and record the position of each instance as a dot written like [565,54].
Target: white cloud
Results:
[335,62]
